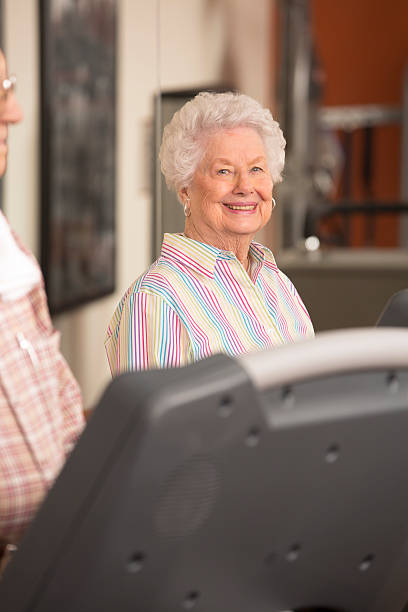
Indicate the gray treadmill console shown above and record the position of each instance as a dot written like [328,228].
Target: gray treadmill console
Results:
[218,488]
[395,313]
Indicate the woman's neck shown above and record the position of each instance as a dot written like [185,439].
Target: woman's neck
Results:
[237,244]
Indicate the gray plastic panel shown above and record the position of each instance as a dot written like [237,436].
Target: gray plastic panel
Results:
[190,489]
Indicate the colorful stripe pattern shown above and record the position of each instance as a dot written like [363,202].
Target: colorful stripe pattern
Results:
[197,300]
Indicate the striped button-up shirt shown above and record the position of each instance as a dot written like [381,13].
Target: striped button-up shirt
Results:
[197,300]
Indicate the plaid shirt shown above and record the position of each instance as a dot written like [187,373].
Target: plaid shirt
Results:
[40,409]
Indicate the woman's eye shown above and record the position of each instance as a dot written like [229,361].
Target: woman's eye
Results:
[223,171]
[257,169]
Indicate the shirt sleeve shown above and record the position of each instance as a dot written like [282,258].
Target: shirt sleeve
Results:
[150,335]
[71,405]
[301,318]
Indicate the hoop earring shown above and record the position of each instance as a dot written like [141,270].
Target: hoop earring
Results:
[187,209]
[273,203]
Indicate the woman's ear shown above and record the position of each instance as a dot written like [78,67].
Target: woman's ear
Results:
[182,194]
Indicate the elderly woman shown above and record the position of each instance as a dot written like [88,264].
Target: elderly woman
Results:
[40,403]
[213,289]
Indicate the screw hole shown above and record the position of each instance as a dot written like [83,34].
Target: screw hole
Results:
[288,397]
[332,453]
[135,563]
[392,382]
[191,600]
[366,563]
[225,407]
[253,437]
[293,553]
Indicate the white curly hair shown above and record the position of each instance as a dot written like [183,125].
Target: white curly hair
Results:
[184,138]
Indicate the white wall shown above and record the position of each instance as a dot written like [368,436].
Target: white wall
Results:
[21,182]
[177,43]
[83,330]
[206,41]
[193,38]
[249,26]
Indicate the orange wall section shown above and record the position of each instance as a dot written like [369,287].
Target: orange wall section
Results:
[362,46]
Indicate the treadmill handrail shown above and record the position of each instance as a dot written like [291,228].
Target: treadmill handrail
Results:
[328,353]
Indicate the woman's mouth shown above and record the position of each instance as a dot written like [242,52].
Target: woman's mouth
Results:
[244,207]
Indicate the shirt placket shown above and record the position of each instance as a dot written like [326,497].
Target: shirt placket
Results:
[254,296]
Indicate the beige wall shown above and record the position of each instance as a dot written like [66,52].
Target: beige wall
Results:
[192,42]
[83,329]
[171,43]
[21,182]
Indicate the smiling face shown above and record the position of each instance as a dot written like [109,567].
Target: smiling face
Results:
[10,112]
[231,191]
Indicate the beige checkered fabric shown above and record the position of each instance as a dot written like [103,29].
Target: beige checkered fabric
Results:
[40,410]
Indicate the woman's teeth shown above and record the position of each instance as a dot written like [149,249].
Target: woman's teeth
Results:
[249,207]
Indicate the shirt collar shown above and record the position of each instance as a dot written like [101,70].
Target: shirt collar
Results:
[203,257]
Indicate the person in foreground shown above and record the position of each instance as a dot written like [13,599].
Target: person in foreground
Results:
[40,403]
[213,289]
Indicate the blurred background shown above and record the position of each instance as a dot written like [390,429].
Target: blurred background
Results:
[334,73]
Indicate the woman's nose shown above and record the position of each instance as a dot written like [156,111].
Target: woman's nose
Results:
[243,183]
[12,112]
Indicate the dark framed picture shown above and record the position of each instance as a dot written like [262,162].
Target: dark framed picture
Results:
[78,57]
[168,214]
